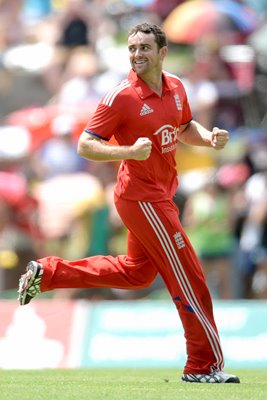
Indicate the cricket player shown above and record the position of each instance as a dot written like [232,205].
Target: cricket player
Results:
[148,114]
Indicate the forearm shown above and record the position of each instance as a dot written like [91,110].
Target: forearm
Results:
[195,134]
[94,149]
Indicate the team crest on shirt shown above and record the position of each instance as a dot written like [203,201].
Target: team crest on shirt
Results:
[179,240]
[178,102]
[146,110]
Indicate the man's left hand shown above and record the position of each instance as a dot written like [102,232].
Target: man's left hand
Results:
[219,138]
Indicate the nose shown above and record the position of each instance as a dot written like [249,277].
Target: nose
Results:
[138,52]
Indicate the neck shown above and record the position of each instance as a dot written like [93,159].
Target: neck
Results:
[155,84]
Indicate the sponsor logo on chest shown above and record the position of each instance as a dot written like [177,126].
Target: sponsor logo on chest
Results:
[146,110]
[169,137]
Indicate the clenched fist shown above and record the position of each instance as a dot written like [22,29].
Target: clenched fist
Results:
[219,138]
[141,149]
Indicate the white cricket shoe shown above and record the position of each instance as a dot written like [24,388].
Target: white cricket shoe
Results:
[29,283]
[213,377]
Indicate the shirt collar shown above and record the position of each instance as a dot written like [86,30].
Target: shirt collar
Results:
[143,90]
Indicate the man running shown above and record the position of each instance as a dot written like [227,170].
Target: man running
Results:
[148,114]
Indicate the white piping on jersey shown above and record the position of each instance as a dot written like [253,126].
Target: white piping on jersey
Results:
[183,281]
[172,75]
[110,96]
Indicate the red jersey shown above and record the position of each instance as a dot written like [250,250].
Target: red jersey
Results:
[132,110]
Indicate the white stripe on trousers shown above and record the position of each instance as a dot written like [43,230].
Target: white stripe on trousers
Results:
[182,280]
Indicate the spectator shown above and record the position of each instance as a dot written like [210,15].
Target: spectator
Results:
[207,220]
[253,241]
[58,155]
[73,34]
[202,94]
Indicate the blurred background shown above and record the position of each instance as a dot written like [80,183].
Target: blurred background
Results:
[57,59]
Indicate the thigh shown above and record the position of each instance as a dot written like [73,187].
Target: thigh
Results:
[157,227]
[135,248]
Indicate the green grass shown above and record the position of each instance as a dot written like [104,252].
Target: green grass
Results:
[125,384]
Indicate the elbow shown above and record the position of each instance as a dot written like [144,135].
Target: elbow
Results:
[82,149]
[88,147]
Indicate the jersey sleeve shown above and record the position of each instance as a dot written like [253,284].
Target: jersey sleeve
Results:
[187,113]
[104,122]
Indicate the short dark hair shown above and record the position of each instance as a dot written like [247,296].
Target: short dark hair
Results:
[159,34]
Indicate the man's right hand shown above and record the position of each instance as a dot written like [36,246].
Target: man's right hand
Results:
[141,149]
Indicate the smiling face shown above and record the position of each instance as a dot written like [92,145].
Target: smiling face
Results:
[146,57]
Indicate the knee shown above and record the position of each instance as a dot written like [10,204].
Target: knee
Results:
[144,278]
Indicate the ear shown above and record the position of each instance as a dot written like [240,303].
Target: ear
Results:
[163,52]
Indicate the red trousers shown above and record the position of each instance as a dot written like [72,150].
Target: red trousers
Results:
[157,243]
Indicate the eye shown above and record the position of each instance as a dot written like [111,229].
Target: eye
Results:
[131,49]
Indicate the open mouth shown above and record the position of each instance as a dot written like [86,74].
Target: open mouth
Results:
[140,62]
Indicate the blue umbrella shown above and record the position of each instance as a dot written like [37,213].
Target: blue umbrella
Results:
[242,17]
[140,3]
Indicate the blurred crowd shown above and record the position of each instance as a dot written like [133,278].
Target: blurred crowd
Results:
[57,59]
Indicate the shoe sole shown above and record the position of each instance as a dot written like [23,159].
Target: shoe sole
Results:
[24,296]
[232,379]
